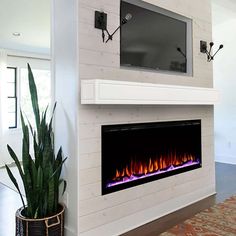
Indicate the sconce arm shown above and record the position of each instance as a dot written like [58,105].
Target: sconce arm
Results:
[110,36]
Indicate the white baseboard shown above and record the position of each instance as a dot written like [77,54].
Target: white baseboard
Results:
[226,159]
[69,232]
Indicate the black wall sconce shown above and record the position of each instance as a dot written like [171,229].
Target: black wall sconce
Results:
[203,49]
[101,23]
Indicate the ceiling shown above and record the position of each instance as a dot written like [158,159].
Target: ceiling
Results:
[31,18]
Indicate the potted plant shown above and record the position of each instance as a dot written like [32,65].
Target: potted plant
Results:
[40,172]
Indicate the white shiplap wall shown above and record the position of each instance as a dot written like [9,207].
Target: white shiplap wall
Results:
[119,212]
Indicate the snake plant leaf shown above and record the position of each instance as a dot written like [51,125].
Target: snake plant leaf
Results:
[13,179]
[34,96]
[64,185]
[43,127]
[25,150]
[16,160]
[47,153]
[58,170]
[50,191]
[39,192]
[33,173]
[44,114]
[59,155]
[37,152]
[39,183]
[53,112]
[31,127]
[58,162]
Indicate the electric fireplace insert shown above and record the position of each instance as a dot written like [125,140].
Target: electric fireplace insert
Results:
[134,154]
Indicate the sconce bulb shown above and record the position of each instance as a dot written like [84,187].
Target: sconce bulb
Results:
[127,18]
[221,46]
[211,44]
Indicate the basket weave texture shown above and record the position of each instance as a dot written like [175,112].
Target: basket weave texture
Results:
[48,226]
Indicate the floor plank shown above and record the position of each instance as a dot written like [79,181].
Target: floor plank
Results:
[225,181]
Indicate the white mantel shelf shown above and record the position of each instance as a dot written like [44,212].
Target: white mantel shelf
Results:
[122,92]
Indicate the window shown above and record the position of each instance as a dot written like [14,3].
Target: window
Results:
[12,97]
[17,90]
[43,83]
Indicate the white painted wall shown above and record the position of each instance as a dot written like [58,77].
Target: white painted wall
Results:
[224,21]
[65,70]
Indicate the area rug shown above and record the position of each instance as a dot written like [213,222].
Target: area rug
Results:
[218,220]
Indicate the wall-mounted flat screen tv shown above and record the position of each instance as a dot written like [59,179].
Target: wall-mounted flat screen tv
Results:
[155,39]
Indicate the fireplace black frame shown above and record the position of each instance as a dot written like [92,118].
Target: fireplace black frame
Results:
[105,128]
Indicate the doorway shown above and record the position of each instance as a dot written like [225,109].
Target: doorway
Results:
[24,38]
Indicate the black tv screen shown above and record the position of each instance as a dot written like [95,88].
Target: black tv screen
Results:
[152,40]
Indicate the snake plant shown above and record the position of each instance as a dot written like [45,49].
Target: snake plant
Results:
[40,172]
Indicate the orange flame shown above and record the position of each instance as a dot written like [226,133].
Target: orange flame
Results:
[139,168]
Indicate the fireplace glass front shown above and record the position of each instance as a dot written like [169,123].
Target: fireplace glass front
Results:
[134,154]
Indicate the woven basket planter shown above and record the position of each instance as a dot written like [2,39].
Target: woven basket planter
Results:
[48,226]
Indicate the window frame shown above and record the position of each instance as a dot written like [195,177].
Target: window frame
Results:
[14,97]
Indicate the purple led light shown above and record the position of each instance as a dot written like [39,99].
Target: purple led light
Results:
[127,179]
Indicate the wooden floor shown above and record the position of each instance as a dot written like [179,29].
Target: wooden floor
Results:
[225,187]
